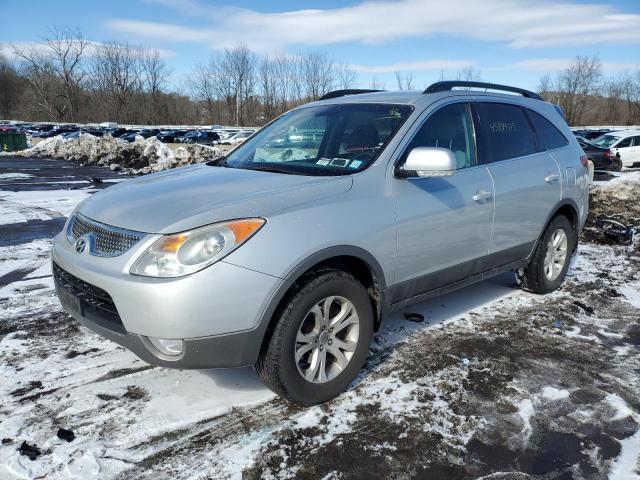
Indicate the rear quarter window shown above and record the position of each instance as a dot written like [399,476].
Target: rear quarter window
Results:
[506,132]
[547,131]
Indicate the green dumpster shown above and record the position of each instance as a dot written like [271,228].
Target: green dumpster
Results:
[11,141]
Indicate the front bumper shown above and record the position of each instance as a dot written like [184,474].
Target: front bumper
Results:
[217,312]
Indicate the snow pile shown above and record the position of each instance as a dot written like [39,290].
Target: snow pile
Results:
[623,187]
[620,195]
[138,157]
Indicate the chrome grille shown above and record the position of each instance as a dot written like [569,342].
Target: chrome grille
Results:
[108,241]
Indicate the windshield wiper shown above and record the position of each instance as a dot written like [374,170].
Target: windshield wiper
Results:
[220,162]
[272,169]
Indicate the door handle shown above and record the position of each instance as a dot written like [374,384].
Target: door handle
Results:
[482,195]
[552,178]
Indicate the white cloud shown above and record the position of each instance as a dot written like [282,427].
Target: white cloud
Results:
[6,49]
[420,66]
[517,23]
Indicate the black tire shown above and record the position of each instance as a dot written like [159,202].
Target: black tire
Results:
[533,278]
[616,164]
[276,364]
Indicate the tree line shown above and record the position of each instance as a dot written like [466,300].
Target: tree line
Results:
[587,97]
[67,78]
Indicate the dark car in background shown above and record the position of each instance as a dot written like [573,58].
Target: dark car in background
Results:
[145,133]
[203,137]
[96,132]
[591,134]
[116,132]
[58,130]
[169,136]
[602,157]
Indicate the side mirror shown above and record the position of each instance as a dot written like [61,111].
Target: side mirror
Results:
[424,162]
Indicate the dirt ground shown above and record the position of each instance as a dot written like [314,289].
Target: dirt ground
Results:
[496,383]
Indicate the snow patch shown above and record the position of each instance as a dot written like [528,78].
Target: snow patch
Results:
[14,176]
[552,393]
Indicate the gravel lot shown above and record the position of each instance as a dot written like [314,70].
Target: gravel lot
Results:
[495,383]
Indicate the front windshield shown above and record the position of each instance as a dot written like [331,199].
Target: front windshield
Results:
[321,140]
[605,140]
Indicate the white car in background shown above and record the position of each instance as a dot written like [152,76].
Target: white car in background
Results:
[624,144]
[236,139]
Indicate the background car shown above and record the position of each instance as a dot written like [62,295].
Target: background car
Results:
[169,136]
[601,157]
[145,133]
[624,144]
[117,132]
[58,130]
[591,134]
[203,137]
[236,139]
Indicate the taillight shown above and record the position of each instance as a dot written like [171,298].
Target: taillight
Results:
[606,154]
[584,160]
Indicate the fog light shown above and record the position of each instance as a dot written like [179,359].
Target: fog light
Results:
[167,346]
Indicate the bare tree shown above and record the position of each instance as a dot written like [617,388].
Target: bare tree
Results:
[404,82]
[575,84]
[345,76]
[470,74]
[376,84]
[59,59]
[204,89]
[545,85]
[269,88]
[116,75]
[317,74]
[11,89]
[154,74]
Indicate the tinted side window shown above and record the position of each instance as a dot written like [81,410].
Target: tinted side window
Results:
[506,131]
[547,131]
[636,141]
[624,143]
[450,127]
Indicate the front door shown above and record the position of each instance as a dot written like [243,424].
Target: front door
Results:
[443,224]
[628,150]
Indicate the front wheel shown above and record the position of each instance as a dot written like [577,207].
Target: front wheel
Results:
[321,339]
[550,262]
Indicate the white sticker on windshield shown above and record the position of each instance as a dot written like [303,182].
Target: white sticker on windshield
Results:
[323,161]
[355,164]
[339,162]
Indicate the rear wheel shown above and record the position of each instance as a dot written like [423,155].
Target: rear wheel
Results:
[321,339]
[616,164]
[551,259]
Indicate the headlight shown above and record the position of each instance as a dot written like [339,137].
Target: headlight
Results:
[187,252]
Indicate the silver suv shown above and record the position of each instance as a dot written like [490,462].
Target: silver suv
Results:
[289,253]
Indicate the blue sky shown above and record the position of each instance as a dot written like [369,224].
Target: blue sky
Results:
[509,41]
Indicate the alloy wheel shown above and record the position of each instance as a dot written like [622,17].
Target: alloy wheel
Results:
[327,339]
[556,255]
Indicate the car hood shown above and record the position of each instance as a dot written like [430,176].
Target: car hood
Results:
[189,197]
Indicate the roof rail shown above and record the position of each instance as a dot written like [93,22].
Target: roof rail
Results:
[350,91]
[451,84]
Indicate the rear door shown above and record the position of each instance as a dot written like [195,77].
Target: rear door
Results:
[527,180]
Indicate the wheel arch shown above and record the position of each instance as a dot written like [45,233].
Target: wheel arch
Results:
[354,260]
[569,208]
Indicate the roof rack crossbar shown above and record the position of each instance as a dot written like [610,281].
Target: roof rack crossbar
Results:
[342,93]
[451,84]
